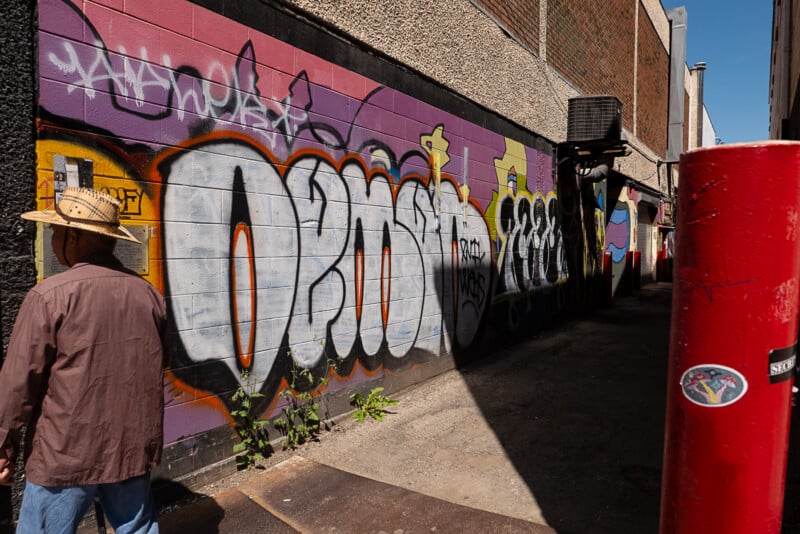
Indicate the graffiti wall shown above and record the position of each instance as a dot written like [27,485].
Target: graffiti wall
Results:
[621,233]
[292,211]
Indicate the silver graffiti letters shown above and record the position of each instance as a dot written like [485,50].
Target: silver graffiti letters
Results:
[330,259]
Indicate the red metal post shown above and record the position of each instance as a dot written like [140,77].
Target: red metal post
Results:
[608,278]
[625,287]
[733,337]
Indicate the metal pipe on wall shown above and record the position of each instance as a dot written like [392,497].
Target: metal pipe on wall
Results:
[699,69]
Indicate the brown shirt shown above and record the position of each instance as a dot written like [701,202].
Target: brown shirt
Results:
[84,369]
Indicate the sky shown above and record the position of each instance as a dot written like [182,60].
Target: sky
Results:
[734,38]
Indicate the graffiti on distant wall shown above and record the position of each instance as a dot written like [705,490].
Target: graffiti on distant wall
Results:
[621,233]
[530,247]
[296,210]
[594,261]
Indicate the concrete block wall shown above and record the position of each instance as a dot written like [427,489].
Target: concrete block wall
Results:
[305,197]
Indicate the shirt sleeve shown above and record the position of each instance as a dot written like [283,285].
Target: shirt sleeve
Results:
[31,350]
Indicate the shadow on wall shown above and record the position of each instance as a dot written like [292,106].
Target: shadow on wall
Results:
[581,415]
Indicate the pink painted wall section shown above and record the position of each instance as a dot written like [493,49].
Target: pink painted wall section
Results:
[180,33]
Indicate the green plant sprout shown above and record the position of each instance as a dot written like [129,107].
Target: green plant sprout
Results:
[374,405]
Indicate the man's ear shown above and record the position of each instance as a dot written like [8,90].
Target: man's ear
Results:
[72,236]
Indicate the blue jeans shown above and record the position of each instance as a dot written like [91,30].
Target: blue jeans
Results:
[128,505]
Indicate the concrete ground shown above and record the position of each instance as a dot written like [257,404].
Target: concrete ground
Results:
[564,430]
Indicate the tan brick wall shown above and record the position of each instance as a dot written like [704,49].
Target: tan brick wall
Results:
[652,87]
[592,45]
[519,17]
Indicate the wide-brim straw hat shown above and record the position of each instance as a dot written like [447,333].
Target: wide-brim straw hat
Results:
[85,209]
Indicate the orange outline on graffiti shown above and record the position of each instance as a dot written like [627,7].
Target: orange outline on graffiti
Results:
[200,395]
[386,284]
[271,410]
[245,358]
[359,282]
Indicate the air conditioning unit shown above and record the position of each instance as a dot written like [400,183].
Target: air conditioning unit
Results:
[594,118]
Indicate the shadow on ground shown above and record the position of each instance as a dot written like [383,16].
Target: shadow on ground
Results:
[582,418]
[179,509]
[6,511]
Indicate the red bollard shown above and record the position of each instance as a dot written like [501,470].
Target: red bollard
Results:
[660,266]
[637,270]
[608,278]
[625,287]
[732,343]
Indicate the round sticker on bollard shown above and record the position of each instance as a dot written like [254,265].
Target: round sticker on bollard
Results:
[713,386]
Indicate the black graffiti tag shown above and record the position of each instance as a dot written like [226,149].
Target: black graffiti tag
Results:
[471,279]
[533,252]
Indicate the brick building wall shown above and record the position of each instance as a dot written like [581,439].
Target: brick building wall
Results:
[592,45]
[520,17]
[651,90]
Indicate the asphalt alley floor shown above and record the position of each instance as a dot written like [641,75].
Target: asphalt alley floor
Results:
[562,432]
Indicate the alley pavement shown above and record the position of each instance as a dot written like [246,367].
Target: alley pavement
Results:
[560,433]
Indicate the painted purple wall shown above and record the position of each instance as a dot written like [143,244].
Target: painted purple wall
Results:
[298,209]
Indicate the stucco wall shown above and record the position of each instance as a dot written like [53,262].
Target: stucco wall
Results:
[17,158]
[17,168]
[461,47]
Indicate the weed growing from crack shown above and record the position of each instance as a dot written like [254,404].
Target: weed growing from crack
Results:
[301,421]
[254,441]
[374,405]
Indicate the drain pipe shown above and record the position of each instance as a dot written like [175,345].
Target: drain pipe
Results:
[699,68]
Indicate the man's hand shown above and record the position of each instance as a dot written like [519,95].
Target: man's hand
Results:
[6,471]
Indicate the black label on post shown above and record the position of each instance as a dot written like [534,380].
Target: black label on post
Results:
[782,364]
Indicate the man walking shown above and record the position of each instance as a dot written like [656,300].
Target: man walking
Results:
[84,372]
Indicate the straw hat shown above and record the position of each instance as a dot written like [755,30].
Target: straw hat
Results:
[85,209]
